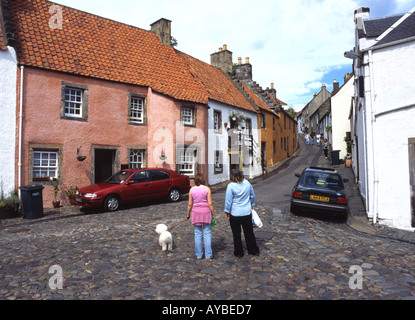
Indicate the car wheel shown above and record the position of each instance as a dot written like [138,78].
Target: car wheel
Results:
[112,203]
[174,195]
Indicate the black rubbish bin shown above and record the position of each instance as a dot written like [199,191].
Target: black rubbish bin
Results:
[335,157]
[32,201]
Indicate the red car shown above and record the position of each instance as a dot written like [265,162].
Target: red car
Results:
[133,185]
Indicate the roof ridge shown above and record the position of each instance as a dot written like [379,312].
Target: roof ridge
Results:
[384,17]
[96,15]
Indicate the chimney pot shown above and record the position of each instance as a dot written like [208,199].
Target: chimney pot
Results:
[247,60]
[239,60]
[225,47]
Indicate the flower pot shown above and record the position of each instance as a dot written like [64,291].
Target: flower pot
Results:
[348,163]
[56,204]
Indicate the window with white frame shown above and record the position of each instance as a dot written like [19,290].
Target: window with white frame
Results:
[188,116]
[73,102]
[217,121]
[137,109]
[137,159]
[45,164]
[187,161]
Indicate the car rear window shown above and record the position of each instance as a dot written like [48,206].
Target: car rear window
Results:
[321,180]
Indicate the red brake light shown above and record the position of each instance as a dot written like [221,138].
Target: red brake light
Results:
[341,200]
[297,194]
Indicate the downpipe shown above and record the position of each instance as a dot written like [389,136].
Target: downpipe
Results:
[373,123]
[19,182]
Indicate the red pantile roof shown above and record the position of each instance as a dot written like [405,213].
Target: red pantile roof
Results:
[93,46]
[219,87]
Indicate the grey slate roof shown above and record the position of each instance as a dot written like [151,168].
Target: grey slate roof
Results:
[376,27]
[404,30]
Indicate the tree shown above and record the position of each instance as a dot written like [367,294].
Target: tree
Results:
[173,42]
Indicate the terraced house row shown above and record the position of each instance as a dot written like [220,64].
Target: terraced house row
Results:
[84,96]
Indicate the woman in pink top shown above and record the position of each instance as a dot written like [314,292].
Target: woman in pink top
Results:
[201,207]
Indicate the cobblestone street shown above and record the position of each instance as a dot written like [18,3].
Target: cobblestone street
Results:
[117,256]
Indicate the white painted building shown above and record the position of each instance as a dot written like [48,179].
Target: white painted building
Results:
[219,138]
[383,116]
[340,109]
[8,75]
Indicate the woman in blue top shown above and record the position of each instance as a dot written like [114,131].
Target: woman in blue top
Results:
[239,203]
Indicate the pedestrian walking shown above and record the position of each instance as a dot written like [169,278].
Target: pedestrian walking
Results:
[239,203]
[318,138]
[312,135]
[326,148]
[201,209]
[307,138]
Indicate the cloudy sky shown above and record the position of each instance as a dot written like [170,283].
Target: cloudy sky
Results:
[296,44]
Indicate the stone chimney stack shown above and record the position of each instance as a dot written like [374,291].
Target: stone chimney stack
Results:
[361,14]
[162,28]
[222,59]
[347,77]
[272,92]
[243,71]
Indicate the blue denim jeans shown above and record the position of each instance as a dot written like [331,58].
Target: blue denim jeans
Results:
[203,231]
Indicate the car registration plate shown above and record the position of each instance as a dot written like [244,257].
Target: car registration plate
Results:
[319,198]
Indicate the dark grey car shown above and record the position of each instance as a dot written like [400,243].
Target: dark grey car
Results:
[319,190]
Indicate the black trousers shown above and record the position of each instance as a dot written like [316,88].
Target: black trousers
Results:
[246,223]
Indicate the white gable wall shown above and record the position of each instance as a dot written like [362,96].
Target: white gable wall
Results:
[394,113]
[219,141]
[340,109]
[8,78]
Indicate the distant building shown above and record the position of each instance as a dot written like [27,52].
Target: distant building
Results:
[311,124]
[340,110]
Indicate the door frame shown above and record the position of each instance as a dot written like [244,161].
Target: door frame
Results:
[115,163]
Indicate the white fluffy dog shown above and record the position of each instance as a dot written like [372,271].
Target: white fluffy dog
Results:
[165,239]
